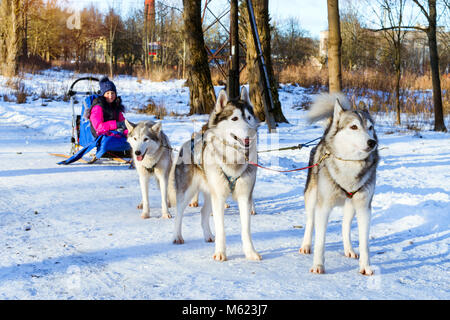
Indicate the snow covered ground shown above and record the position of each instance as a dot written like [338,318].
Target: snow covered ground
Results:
[73,232]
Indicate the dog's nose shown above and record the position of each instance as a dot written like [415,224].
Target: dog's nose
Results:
[137,152]
[371,143]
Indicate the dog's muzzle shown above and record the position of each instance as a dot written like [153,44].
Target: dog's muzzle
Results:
[244,142]
[139,155]
[371,143]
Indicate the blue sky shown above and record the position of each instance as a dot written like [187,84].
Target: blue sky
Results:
[311,14]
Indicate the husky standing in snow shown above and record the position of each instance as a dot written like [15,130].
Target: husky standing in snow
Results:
[152,155]
[216,163]
[347,158]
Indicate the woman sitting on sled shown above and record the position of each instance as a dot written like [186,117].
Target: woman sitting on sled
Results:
[106,113]
[102,125]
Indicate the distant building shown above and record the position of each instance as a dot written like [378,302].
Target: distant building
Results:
[323,46]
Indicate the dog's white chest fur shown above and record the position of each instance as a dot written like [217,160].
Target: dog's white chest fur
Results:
[346,174]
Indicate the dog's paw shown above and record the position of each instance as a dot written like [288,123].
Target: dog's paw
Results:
[193,204]
[351,254]
[366,270]
[317,268]
[140,206]
[253,255]
[166,216]
[178,240]
[253,212]
[209,239]
[227,205]
[220,256]
[306,249]
[145,215]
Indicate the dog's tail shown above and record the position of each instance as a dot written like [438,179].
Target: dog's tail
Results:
[323,106]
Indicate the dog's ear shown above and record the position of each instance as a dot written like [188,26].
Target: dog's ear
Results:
[221,101]
[244,96]
[130,125]
[157,127]
[338,110]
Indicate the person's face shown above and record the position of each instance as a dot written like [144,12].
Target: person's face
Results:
[110,96]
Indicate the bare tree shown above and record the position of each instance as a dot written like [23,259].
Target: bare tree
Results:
[392,19]
[430,16]
[201,91]
[334,47]
[112,21]
[396,32]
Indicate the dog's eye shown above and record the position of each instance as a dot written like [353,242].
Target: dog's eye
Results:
[134,138]
[235,118]
[371,128]
[354,127]
[249,118]
[145,139]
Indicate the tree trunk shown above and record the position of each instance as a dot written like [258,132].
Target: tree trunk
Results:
[11,37]
[261,10]
[202,97]
[110,50]
[24,36]
[334,47]
[434,64]
[398,75]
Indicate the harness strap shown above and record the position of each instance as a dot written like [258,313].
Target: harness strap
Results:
[348,194]
[152,168]
[231,181]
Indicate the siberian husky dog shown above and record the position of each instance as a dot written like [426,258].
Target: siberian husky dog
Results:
[216,163]
[152,155]
[346,158]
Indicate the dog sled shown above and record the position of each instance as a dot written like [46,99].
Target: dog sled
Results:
[83,143]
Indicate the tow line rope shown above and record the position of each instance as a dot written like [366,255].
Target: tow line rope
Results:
[299,146]
[293,170]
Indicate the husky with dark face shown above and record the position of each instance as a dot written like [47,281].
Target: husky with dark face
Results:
[216,163]
[152,155]
[345,176]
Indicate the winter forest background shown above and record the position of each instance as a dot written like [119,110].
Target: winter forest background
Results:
[384,52]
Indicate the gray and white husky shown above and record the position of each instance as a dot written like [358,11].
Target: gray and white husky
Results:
[152,155]
[216,163]
[348,156]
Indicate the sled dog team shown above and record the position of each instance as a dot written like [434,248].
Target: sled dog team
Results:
[215,162]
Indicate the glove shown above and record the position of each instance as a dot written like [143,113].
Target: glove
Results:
[121,125]
[120,130]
